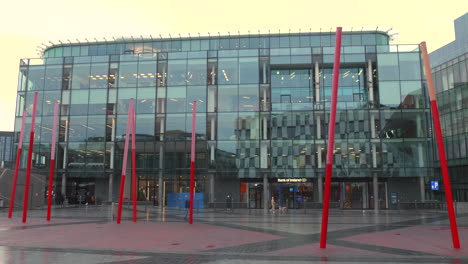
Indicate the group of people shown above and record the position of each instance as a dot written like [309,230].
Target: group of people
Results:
[274,204]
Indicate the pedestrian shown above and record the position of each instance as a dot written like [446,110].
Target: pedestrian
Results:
[273,204]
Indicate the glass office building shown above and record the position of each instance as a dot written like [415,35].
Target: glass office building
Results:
[450,70]
[6,149]
[262,118]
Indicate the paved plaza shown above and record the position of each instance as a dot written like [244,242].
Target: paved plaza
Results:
[89,234]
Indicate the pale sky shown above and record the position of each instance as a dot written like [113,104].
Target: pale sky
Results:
[26,24]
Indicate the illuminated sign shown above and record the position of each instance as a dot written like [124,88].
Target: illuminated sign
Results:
[293,180]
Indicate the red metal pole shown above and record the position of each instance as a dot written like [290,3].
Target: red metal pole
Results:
[30,152]
[192,161]
[441,147]
[124,161]
[134,180]
[331,140]
[18,160]
[52,160]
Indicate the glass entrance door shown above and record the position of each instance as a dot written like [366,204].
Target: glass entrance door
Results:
[256,196]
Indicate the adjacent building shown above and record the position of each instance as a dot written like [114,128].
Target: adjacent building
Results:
[450,70]
[262,118]
[6,149]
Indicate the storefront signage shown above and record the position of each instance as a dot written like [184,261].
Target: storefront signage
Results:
[293,180]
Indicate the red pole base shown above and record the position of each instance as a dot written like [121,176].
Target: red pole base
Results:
[445,174]
[49,191]
[192,186]
[326,204]
[28,177]
[119,207]
[13,186]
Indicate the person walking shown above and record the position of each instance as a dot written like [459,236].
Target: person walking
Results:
[273,204]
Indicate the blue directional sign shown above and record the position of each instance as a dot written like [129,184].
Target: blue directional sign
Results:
[435,185]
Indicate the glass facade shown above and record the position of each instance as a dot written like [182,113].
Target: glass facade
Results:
[262,117]
[6,149]
[452,86]
[450,72]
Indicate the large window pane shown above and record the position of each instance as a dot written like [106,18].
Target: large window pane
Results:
[410,68]
[248,126]
[227,125]
[145,127]
[79,103]
[248,70]
[227,98]
[128,74]
[175,127]
[248,98]
[388,67]
[146,102]
[228,72]
[96,128]
[80,76]
[99,75]
[36,78]
[147,73]
[196,72]
[124,100]
[196,93]
[177,72]
[176,97]
[77,128]
[97,102]
[389,93]
[412,95]
[53,78]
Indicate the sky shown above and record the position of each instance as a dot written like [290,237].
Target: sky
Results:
[26,24]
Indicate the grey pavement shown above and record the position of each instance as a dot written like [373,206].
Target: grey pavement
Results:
[297,234]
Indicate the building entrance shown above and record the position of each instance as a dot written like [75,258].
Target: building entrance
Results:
[357,195]
[292,195]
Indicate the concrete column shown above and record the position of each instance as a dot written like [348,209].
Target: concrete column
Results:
[320,188]
[319,156]
[111,163]
[213,75]
[265,126]
[422,189]
[212,188]
[162,128]
[370,81]
[111,187]
[266,196]
[421,164]
[160,179]
[65,161]
[263,154]
[317,83]
[372,125]
[211,99]
[319,133]
[265,103]
[374,156]
[213,130]
[375,186]
[248,195]
[212,152]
